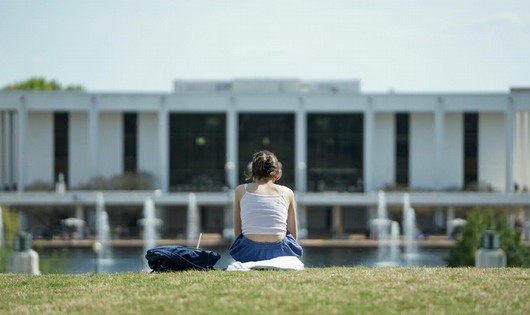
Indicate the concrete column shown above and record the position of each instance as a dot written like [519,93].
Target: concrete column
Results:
[163,136]
[369,126]
[509,133]
[22,221]
[22,128]
[301,216]
[2,153]
[518,152]
[228,224]
[93,129]
[525,149]
[336,218]
[80,214]
[526,224]
[3,149]
[8,153]
[371,214]
[450,218]
[439,219]
[439,130]
[14,149]
[231,145]
[301,147]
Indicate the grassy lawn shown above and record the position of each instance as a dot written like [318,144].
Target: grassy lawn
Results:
[316,291]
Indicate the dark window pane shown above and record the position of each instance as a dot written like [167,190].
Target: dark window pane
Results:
[273,132]
[402,149]
[335,152]
[130,135]
[470,149]
[60,138]
[197,152]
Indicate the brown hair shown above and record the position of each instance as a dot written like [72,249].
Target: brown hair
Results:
[264,165]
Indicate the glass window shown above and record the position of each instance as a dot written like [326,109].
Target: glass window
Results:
[335,152]
[60,137]
[130,142]
[197,152]
[402,149]
[470,149]
[273,132]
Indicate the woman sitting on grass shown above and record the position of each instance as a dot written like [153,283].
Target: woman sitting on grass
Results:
[264,214]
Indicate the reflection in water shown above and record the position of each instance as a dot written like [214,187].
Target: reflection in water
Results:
[81,260]
[326,257]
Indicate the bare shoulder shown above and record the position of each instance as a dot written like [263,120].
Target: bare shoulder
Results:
[287,192]
[240,190]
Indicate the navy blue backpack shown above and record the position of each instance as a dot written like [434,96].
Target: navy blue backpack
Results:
[179,258]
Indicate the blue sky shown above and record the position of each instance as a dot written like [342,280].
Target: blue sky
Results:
[142,46]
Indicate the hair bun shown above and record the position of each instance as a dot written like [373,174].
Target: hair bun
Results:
[264,164]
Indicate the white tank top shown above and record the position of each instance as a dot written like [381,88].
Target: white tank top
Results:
[263,214]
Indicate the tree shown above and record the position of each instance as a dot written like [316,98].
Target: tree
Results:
[463,253]
[40,83]
[10,221]
[517,254]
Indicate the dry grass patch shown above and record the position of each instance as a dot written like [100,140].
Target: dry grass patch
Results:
[336,290]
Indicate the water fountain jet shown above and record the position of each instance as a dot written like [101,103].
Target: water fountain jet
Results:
[150,224]
[104,253]
[387,243]
[1,230]
[394,242]
[193,221]
[409,230]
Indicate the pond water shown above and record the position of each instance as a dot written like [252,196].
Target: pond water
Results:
[81,260]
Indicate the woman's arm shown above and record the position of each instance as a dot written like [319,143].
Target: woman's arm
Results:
[291,215]
[238,194]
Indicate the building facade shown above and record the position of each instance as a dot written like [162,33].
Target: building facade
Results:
[332,139]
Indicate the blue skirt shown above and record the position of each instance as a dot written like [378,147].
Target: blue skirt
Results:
[245,250]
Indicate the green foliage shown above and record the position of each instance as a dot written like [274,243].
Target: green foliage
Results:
[10,221]
[517,255]
[56,263]
[41,84]
[463,253]
[4,253]
[74,88]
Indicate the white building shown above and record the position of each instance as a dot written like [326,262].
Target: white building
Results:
[337,144]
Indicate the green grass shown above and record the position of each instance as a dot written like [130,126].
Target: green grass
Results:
[315,291]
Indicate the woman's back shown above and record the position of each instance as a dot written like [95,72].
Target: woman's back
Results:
[264,213]
[264,189]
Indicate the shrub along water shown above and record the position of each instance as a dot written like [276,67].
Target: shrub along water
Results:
[10,221]
[55,264]
[478,221]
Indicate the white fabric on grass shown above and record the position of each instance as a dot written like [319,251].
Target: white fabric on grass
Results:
[278,263]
